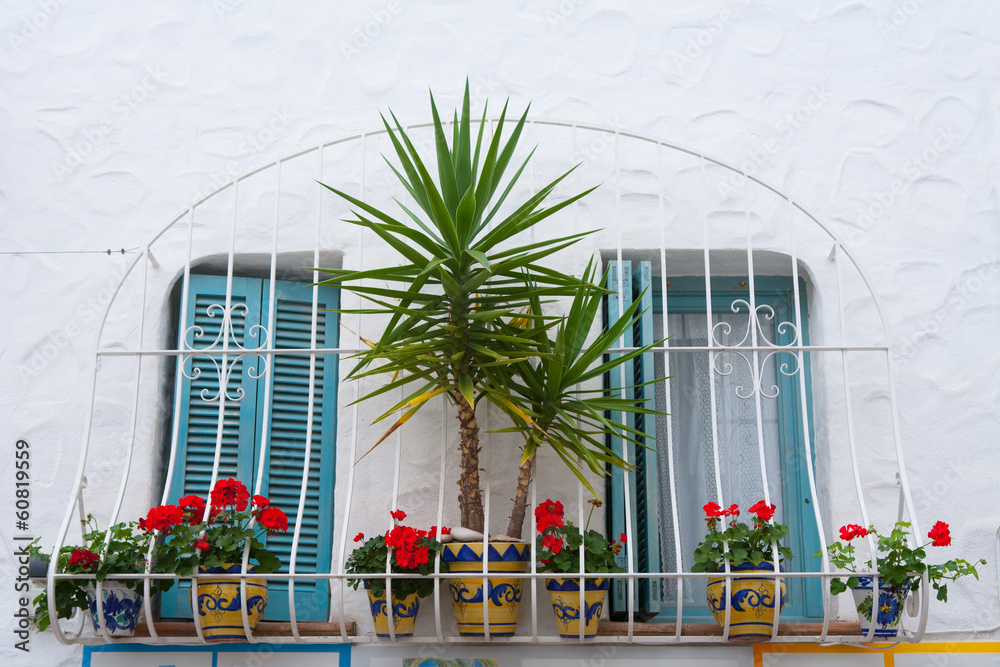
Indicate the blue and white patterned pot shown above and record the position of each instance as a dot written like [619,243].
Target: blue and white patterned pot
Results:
[121,607]
[890,606]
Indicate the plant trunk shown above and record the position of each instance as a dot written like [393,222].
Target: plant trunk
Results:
[470,499]
[521,497]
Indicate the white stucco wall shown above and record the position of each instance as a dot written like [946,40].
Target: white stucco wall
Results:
[880,118]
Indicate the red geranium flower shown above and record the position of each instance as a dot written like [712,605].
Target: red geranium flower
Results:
[732,510]
[163,517]
[359,537]
[624,538]
[85,558]
[273,520]
[552,542]
[712,510]
[260,501]
[201,544]
[763,511]
[194,507]
[398,515]
[852,530]
[941,534]
[230,492]
[549,513]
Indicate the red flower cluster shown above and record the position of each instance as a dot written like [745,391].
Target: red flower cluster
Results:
[549,513]
[273,520]
[260,501]
[433,532]
[194,508]
[763,511]
[230,492]
[163,517]
[405,542]
[359,537]
[552,542]
[851,530]
[202,544]
[85,558]
[398,515]
[713,510]
[941,534]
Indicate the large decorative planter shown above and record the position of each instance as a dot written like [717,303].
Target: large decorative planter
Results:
[220,605]
[503,594]
[565,595]
[752,597]
[890,606]
[404,613]
[121,607]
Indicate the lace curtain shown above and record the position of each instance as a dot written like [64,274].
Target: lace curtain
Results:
[691,426]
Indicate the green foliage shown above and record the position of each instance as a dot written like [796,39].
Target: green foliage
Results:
[746,543]
[898,564]
[119,550]
[543,395]
[464,305]
[227,533]
[413,551]
[558,543]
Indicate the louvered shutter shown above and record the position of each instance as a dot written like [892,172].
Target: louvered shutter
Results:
[199,420]
[643,487]
[647,523]
[288,425]
[620,385]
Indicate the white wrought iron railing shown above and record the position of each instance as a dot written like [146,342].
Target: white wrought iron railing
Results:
[685,212]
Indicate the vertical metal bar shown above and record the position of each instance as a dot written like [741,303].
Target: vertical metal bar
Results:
[354,425]
[711,386]
[804,407]
[664,303]
[440,518]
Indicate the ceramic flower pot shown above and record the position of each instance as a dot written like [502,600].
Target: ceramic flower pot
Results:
[404,613]
[503,595]
[752,598]
[121,607]
[890,606]
[565,595]
[220,604]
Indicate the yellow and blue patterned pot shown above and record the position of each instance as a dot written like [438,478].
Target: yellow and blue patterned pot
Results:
[753,601]
[503,595]
[565,595]
[404,613]
[221,607]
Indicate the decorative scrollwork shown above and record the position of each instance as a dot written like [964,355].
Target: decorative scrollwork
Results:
[214,352]
[755,322]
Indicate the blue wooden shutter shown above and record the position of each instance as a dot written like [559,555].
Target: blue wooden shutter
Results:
[643,486]
[199,418]
[289,413]
[617,302]
[647,522]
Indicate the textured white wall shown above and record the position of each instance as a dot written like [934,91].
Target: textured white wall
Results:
[882,118]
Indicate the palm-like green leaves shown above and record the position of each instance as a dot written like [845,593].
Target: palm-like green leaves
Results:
[464,280]
[551,389]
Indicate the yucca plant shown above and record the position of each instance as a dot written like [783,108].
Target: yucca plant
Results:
[464,280]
